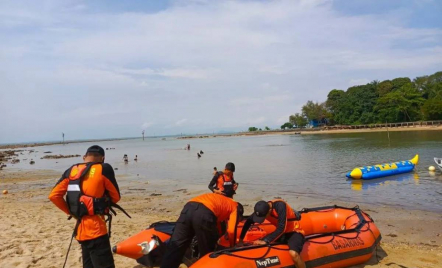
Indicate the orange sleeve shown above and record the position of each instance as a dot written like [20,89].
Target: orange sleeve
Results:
[57,194]
[231,226]
[110,183]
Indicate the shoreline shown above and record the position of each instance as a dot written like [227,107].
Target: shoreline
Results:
[37,144]
[37,233]
[254,133]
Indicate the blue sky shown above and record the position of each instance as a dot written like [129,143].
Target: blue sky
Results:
[96,69]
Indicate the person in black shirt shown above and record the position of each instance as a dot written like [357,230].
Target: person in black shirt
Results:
[280,214]
[223,182]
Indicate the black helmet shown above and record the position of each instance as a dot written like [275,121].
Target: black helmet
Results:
[230,166]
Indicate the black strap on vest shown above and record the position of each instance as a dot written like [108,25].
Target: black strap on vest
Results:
[102,206]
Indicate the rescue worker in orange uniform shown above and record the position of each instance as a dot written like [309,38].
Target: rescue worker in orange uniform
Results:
[89,187]
[223,182]
[280,214]
[200,217]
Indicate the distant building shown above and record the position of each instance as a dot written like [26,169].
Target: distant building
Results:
[317,123]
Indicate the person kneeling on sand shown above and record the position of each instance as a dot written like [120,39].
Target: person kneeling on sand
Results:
[200,217]
[223,181]
[90,189]
[281,215]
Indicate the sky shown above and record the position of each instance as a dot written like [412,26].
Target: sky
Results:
[110,68]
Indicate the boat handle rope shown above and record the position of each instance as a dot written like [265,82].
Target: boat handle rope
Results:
[248,258]
[327,209]
[325,242]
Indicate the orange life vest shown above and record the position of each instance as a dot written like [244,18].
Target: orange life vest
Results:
[225,184]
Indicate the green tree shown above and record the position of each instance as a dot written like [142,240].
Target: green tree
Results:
[298,120]
[314,111]
[334,100]
[400,82]
[355,106]
[287,125]
[432,109]
[400,105]
[251,129]
[384,87]
[267,128]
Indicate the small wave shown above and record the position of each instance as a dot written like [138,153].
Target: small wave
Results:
[275,145]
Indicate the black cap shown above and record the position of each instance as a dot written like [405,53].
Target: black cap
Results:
[95,149]
[230,166]
[260,211]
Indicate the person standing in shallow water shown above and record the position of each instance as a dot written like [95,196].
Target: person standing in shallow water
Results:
[125,158]
[223,182]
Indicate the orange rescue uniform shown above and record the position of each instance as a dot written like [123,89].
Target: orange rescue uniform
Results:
[224,209]
[100,180]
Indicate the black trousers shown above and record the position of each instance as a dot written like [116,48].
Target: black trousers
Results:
[195,220]
[97,253]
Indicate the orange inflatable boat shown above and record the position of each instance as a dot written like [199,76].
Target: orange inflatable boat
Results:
[335,237]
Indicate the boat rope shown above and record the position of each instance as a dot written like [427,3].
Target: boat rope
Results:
[358,231]
[248,258]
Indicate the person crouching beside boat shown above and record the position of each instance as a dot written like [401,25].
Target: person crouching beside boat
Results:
[280,214]
[200,217]
[223,182]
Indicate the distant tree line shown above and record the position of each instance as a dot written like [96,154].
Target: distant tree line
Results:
[397,100]
[251,129]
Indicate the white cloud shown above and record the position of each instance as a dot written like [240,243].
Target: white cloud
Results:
[190,73]
[258,120]
[357,82]
[264,100]
[218,63]
[282,119]
[146,125]
[180,122]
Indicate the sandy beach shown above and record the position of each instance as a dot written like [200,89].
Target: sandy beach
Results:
[36,234]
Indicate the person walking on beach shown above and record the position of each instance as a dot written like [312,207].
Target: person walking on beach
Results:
[89,188]
[281,215]
[136,158]
[125,158]
[200,217]
[223,181]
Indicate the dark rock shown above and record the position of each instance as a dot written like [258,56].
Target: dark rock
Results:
[60,156]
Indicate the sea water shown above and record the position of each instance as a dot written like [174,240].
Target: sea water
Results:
[312,166]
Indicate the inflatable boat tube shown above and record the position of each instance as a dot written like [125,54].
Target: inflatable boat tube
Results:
[335,237]
[378,171]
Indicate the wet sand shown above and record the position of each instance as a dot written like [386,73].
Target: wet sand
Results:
[34,233]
